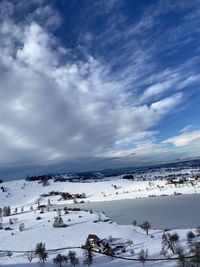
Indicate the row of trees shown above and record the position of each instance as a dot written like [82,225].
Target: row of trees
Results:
[187,257]
[170,245]
[41,253]
[6,211]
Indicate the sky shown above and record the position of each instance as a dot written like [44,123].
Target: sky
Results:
[96,84]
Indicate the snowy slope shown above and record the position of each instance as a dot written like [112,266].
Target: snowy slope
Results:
[80,223]
[22,193]
[79,226]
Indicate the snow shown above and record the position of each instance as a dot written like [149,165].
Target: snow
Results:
[22,193]
[75,234]
[80,223]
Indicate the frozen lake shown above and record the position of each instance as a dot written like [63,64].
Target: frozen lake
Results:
[162,212]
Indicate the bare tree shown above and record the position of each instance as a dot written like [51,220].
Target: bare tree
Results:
[89,255]
[143,255]
[169,242]
[196,252]
[182,261]
[30,255]
[146,226]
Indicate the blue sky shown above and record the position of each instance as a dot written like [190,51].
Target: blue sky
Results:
[98,84]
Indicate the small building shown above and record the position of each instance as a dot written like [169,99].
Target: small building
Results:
[97,244]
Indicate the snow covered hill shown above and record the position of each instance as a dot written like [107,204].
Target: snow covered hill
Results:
[22,193]
[24,197]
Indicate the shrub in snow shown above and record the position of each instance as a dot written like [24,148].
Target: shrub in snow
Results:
[21,227]
[7,228]
[123,250]
[130,242]
[6,211]
[38,218]
[66,210]
[59,212]
[9,254]
[58,222]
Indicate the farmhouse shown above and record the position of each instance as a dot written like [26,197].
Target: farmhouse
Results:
[97,244]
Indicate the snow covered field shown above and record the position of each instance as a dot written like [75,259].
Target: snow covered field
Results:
[25,193]
[80,224]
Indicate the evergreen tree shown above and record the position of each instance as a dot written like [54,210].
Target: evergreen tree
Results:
[40,252]
[72,257]
[59,259]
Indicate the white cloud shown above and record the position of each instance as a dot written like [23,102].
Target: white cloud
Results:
[54,106]
[156,89]
[65,109]
[186,129]
[184,139]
